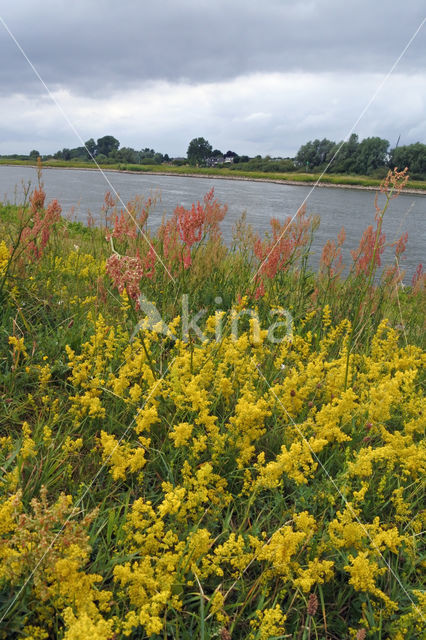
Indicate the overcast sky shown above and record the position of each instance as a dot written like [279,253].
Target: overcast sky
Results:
[253,76]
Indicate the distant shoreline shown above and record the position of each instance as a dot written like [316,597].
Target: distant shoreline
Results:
[182,174]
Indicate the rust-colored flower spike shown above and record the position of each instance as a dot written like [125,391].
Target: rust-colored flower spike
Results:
[224,634]
[312,605]
[394,182]
[361,634]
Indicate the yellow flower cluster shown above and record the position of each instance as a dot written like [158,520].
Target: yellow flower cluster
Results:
[79,265]
[18,345]
[31,545]
[4,257]
[269,623]
[244,463]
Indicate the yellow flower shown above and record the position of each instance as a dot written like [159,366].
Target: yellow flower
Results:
[47,435]
[283,544]
[18,345]
[28,446]
[32,632]
[4,257]
[305,522]
[82,626]
[270,623]
[44,375]
[363,572]
[181,434]
[326,316]
[217,602]
[317,572]
[71,446]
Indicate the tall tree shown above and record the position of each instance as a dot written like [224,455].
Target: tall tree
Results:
[199,150]
[91,147]
[107,144]
[345,161]
[372,154]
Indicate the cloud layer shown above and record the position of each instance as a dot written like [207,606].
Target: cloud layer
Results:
[256,77]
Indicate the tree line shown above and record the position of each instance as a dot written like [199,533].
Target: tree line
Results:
[365,157]
[371,156]
[107,149]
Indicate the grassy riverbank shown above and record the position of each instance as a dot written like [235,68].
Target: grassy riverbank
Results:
[348,181]
[229,456]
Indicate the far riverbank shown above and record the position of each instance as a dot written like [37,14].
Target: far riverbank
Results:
[310,180]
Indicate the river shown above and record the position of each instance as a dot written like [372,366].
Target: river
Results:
[80,191]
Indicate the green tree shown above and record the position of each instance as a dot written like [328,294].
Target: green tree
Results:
[91,148]
[412,156]
[78,153]
[199,150]
[372,154]
[314,153]
[147,153]
[345,161]
[34,154]
[305,157]
[127,154]
[107,145]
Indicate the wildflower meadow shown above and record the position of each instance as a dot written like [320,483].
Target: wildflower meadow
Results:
[208,441]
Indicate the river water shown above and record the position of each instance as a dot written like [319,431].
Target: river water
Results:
[80,191]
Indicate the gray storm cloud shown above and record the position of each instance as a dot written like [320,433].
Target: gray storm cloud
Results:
[100,56]
[97,47]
